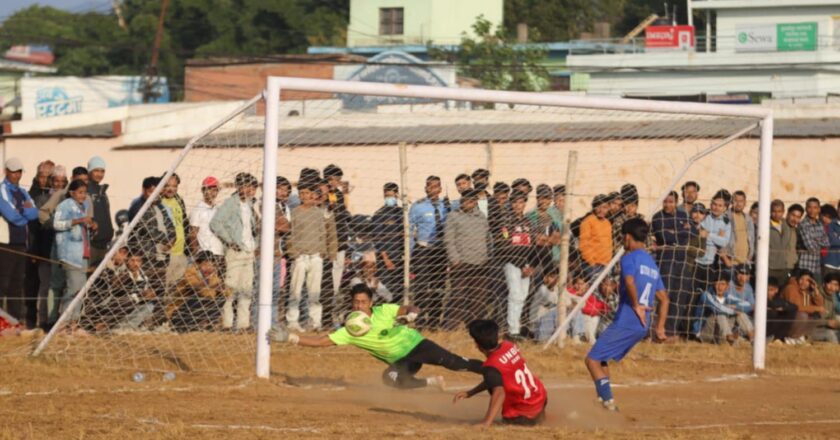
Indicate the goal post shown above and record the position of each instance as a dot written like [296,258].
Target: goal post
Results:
[396,133]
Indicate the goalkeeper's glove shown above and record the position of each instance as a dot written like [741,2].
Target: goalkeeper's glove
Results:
[407,318]
[279,334]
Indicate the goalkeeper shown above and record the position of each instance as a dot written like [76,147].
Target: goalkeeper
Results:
[403,348]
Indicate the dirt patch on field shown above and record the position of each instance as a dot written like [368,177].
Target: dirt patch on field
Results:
[664,391]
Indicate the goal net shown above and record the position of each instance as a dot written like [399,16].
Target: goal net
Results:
[468,204]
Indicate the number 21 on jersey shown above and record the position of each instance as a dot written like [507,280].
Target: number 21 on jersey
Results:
[525,379]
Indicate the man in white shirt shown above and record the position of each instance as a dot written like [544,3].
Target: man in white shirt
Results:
[201,237]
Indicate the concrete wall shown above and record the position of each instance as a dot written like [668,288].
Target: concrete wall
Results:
[438,21]
[801,167]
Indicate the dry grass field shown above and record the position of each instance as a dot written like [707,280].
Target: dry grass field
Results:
[664,391]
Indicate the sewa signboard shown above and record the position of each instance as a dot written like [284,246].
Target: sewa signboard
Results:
[779,37]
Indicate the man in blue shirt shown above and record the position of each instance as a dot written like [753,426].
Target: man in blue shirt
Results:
[16,209]
[640,283]
[427,218]
[716,229]
[741,297]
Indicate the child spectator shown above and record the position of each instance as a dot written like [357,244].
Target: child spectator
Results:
[199,296]
[715,318]
[139,304]
[586,322]
[596,243]
[740,296]
[102,308]
[543,312]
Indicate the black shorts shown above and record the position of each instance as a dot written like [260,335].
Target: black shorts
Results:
[525,421]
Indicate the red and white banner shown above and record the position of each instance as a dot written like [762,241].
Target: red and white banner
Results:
[669,37]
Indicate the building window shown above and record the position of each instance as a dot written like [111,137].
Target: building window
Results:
[390,21]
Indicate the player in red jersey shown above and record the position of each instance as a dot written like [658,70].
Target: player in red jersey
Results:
[514,390]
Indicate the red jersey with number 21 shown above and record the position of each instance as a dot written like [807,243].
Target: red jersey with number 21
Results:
[524,393]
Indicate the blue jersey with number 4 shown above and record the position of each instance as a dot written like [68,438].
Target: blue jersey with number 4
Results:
[640,265]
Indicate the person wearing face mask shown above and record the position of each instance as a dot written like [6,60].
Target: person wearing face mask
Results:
[387,235]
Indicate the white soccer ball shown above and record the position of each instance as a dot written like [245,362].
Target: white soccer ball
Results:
[357,323]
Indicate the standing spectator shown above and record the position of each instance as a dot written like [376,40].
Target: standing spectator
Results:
[177,210]
[690,191]
[780,313]
[152,238]
[615,208]
[465,236]
[596,238]
[741,297]
[741,246]
[235,224]
[58,192]
[463,183]
[801,291]
[498,208]
[481,179]
[716,229]
[782,257]
[559,199]
[427,219]
[148,187]
[388,235]
[337,205]
[282,227]
[831,258]
[671,230]
[17,210]
[522,185]
[813,239]
[101,211]
[546,225]
[74,229]
[40,245]
[312,239]
[519,261]
[629,196]
[202,239]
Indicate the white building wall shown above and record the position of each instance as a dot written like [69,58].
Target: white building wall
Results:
[729,19]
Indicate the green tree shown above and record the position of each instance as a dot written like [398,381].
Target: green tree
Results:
[495,61]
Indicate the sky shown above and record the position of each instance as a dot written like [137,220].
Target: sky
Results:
[8,7]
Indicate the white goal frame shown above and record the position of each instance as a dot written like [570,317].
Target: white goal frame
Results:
[271,98]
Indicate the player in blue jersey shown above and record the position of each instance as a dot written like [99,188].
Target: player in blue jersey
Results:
[640,283]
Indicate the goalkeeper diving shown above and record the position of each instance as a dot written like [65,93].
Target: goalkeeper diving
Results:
[403,348]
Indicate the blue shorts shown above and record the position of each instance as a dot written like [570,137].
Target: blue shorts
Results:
[615,343]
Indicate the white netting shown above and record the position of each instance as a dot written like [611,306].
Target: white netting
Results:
[342,220]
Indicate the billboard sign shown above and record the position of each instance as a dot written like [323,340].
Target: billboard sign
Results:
[776,37]
[50,96]
[669,37]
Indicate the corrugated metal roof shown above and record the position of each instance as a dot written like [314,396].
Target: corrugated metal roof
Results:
[501,133]
[103,130]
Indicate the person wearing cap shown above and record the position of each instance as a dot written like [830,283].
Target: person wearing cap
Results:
[741,297]
[235,224]
[690,191]
[312,240]
[714,317]
[97,191]
[16,209]
[516,251]
[202,239]
[741,247]
[547,225]
[388,238]
[671,230]
[596,245]
[177,209]
[467,250]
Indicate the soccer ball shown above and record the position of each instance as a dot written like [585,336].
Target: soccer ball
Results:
[357,323]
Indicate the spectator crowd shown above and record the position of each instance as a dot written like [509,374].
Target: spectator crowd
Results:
[189,268]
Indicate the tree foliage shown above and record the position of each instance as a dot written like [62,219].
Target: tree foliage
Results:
[495,61]
[94,43]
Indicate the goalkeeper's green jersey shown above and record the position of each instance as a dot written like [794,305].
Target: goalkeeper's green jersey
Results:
[385,341]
